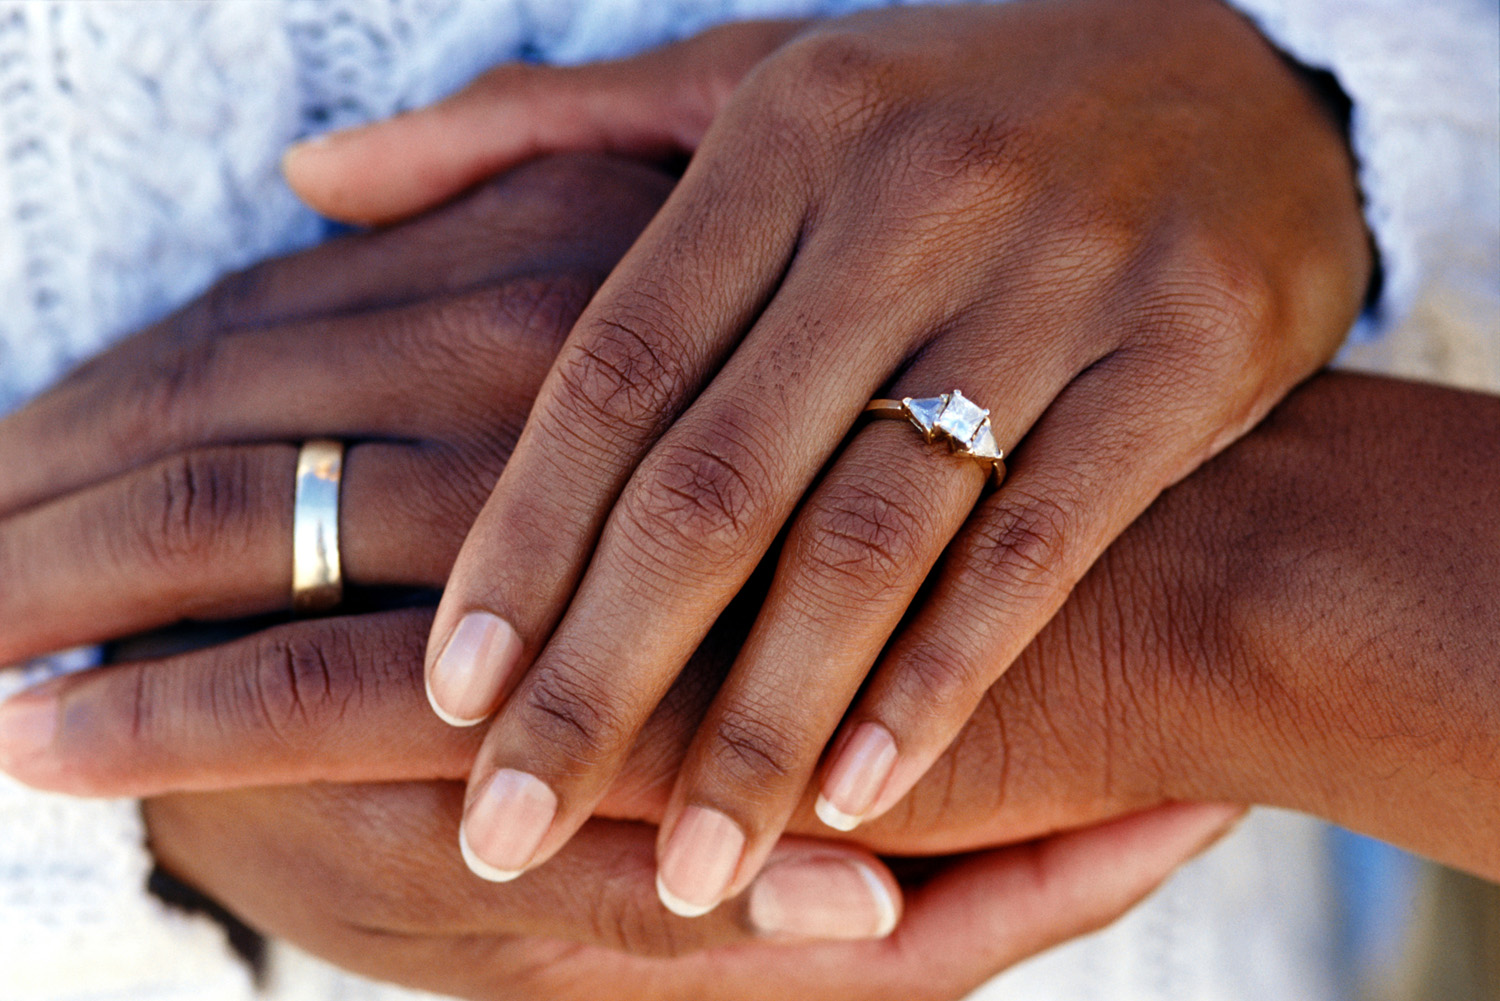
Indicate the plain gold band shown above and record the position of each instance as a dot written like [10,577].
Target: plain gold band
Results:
[317,575]
[887,409]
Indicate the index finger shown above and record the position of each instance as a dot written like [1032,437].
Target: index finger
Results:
[637,357]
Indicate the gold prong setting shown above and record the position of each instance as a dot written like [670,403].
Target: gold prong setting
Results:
[958,420]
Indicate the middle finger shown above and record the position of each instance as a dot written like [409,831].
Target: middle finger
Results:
[688,530]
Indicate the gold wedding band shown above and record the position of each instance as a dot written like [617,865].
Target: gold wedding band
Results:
[317,576]
[954,418]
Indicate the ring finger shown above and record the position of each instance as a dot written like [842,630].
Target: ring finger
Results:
[149,547]
[855,558]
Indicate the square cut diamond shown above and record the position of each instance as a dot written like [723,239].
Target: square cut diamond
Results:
[961,417]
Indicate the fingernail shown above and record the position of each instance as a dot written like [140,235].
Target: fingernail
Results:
[857,777]
[500,835]
[322,141]
[28,724]
[699,862]
[469,675]
[821,898]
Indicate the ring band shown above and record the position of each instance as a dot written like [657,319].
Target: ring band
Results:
[955,418]
[317,576]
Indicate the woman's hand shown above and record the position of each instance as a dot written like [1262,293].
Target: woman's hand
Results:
[156,483]
[390,899]
[1128,229]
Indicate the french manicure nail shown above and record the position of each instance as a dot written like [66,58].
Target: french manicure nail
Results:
[469,675]
[699,861]
[28,724]
[856,778]
[506,824]
[321,141]
[821,898]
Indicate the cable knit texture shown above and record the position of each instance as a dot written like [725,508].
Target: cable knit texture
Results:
[139,162]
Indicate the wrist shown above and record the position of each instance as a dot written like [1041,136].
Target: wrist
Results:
[1346,580]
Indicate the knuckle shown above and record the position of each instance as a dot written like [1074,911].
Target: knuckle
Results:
[1020,550]
[238,299]
[543,306]
[191,506]
[461,478]
[164,399]
[298,686]
[699,498]
[148,713]
[632,922]
[948,187]
[625,375]
[754,751]
[934,682]
[962,172]
[842,77]
[858,534]
[489,348]
[1219,304]
[579,722]
[476,332]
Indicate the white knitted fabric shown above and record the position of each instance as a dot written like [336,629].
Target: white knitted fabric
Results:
[139,144]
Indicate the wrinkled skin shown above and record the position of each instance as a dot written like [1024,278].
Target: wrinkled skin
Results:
[1248,640]
[173,497]
[1127,229]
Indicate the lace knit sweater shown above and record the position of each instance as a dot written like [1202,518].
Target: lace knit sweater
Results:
[139,162]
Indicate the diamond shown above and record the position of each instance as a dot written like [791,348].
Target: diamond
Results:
[961,418]
[984,445]
[924,412]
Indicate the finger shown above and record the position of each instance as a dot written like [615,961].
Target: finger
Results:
[575,213]
[412,373]
[335,700]
[1000,907]
[976,917]
[657,103]
[854,559]
[290,838]
[1098,456]
[546,234]
[685,535]
[150,547]
[632,363]
[332,700]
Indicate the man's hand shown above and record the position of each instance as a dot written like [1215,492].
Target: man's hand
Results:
[156,482]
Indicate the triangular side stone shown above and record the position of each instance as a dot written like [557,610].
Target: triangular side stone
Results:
[926,411]
[984,445]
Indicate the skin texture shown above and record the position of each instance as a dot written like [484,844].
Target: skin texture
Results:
[1334,659]
[367,875]
[1128,228]
[1250,637]
[132,486]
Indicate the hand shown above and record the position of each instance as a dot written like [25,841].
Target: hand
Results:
[1250,639]
[1128,229]
[396,884]
[156,482]
[391,900]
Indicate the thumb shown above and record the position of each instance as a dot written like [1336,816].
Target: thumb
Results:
[654,104]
